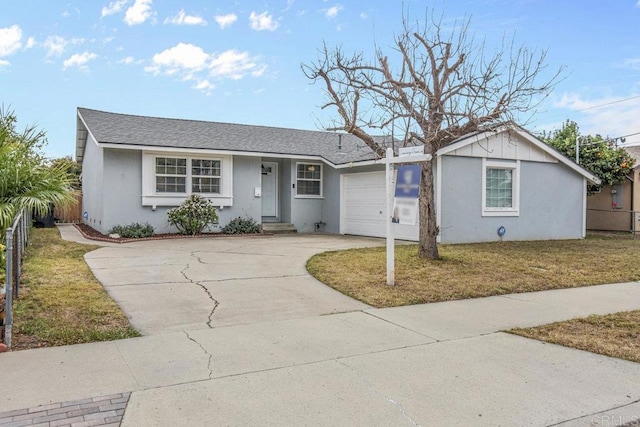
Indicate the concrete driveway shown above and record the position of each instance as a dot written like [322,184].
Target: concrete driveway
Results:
[190,284]
[278,362]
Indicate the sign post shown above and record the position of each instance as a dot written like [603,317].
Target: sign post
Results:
[407,190]
[391,248]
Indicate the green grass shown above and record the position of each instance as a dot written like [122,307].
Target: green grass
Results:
[615,335]
[61,302]
[478,270]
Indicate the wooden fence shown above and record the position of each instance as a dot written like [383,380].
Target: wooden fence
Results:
[71,213]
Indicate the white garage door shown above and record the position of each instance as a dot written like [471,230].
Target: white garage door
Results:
[363,207]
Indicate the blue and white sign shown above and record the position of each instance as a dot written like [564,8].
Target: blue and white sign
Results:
[405,202]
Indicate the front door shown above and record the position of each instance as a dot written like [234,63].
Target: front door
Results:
[270,189]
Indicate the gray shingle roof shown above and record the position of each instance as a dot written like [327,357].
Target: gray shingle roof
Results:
[144,131]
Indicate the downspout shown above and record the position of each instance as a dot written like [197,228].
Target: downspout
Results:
[584,207]
[439,196]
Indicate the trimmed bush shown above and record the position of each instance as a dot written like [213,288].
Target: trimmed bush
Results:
[193,215]
[241,225]
[133,231]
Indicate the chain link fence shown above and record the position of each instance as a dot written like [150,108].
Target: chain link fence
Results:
[16,244]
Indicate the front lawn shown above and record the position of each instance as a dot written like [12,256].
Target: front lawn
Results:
[61,302]
[478,270]
[615,335]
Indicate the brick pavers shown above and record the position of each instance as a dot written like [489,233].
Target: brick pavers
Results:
[96,411]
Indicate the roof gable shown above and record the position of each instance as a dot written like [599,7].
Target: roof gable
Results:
[511,143]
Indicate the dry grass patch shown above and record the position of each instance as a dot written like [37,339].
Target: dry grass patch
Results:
[615,335]
[61,302]
[478,270]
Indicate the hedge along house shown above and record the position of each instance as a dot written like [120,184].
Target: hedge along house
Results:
[136,168]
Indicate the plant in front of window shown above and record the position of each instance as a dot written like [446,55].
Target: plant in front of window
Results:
[241,225]
[194,215]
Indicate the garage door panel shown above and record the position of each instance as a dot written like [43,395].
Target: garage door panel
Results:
[364,207]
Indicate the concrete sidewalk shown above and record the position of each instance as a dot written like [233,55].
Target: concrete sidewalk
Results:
[238,333]
[442,364]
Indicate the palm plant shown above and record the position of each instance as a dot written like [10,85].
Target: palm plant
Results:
[26,181]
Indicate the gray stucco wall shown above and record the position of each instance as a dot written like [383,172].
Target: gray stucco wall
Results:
[92,184]
[550,203]
[247,175]
[122,196]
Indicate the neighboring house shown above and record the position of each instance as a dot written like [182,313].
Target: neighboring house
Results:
[616,207]
[136,168]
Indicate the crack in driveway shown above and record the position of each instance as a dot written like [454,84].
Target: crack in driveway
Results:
[210,361]
[216,303]
[387,398]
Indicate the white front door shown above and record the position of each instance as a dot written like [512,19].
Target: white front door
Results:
[269,189]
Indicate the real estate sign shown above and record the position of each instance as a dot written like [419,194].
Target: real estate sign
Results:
[405,202]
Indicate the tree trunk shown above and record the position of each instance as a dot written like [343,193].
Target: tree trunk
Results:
[428,247]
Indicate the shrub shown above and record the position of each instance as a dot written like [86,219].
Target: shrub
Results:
[193,215]
[241,225]
[134,230]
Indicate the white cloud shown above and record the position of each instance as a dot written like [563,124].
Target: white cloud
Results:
[205,86]
[139,12]
[10,40]
[333,11]
[234,65]
[183,19]
[263,21]
[191,63]
[79,60]
[4,63]
[181,57]
[56,45]
[364,15]
[225,21]
[128,60]
[632,63]
[607,116]
[288,6]
[114,7]
[31,42]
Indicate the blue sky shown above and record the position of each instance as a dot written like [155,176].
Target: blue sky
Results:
[239,61]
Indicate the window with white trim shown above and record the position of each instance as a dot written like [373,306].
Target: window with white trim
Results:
[500,188]
[309,179]
[205,176]
[171,175]
[167,178]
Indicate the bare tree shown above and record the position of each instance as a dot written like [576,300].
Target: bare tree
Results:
[438,86]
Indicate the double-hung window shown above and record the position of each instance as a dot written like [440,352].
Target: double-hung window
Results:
[205,176]
[309,179]
[168,178]
[176,175]
[500,188]
[171,175]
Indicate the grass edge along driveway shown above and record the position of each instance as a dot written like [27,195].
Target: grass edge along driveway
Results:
[478,270]
[485,269]
[61,302]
